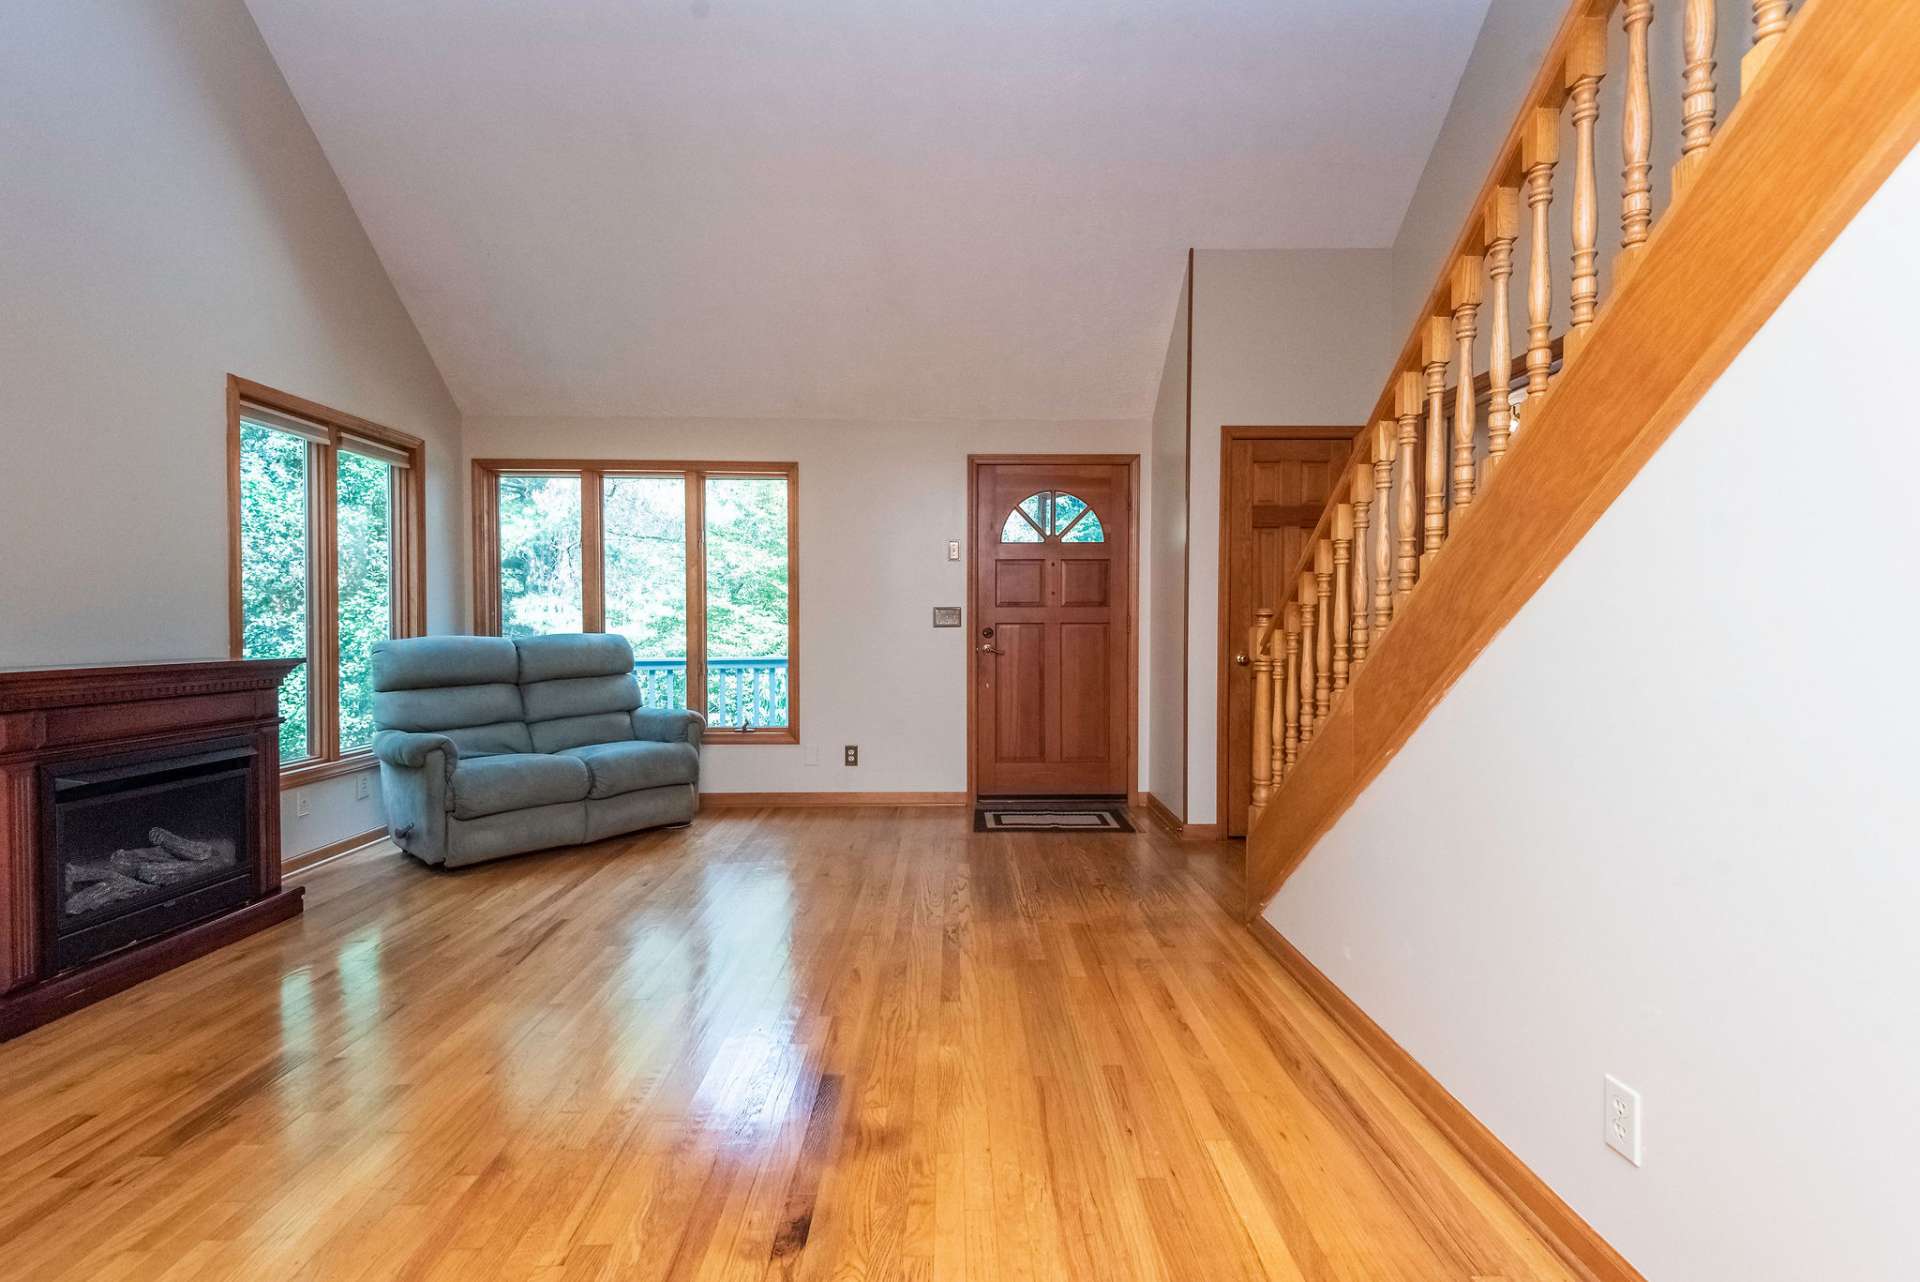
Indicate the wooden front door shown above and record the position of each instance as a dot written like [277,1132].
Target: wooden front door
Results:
[1274,484]
[1051,627]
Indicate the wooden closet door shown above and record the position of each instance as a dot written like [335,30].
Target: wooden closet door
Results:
[1274,488]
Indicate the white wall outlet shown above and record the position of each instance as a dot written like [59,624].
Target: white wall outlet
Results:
[302,804]
[953,549]
[362,785]
[1622,1119]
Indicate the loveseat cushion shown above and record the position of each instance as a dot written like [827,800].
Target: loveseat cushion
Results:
[515,781]
[573,654]
[617,768]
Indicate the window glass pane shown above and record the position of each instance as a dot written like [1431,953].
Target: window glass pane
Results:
[540,555]
[1065,508]
[363,522]
[1087,530]
[747,568]
[273,568]
[643,523]
[1036,507]
[1018,529]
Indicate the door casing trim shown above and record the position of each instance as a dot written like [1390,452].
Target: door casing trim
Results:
[1132,463]
[1221,729]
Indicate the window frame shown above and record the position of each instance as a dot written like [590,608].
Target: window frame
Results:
[593,473]
[409,591]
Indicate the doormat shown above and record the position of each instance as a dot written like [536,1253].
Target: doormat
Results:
[1050,816]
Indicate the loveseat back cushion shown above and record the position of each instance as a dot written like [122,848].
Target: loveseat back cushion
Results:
[580,696]
[570,732]
[573,654]
[463,687]
[577,688]
[417,663]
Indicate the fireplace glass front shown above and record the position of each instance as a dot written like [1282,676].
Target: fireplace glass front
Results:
[141,846]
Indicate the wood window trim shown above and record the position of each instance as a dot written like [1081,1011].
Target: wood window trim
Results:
[592,473]
[409,562]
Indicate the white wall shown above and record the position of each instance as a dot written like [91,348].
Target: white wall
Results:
[167,219]
[1280,337]
[1165,677]
[878,503]
[1664,826]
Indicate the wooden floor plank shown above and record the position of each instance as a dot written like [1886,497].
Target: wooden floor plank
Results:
[810,1046]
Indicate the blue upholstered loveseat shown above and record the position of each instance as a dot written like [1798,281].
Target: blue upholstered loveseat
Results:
[491,747]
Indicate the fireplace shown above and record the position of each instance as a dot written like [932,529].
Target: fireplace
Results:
[141,844]
[139,824]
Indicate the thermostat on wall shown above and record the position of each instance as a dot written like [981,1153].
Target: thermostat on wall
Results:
[946,616]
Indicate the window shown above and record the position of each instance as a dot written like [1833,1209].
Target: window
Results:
[691,562]
[1052,517]
[326,559]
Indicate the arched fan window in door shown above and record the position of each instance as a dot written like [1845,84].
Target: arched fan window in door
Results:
[1052,516]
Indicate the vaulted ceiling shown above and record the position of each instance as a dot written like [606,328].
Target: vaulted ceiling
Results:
[850,208]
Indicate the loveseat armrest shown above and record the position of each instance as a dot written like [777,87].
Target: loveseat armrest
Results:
[410,749]
[668,725]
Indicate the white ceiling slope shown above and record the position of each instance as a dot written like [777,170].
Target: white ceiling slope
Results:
[850,208]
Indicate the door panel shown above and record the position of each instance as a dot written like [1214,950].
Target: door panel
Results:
[1019,582]
[1020,693]
[1274,489]
[1086,689]
[1052,627]
[1083,583]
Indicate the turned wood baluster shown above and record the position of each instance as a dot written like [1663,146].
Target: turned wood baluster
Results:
[1502,228]
[1406,406]
[1309,606]
[1340,623]
[1466,326]
[1586,66]
[1290,693]
[1539,152]
[1434,342]
[1383,452]
[1769,24]
[1323,629]
[1697,107]
[1262,712]
[1636,140]
[1276,718]
[1361,487]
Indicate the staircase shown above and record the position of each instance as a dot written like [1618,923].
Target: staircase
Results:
[1491,455]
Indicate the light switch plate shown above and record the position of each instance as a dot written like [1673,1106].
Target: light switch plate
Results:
[953,549]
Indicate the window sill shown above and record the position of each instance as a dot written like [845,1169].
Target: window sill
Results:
[302,773]
[785,735]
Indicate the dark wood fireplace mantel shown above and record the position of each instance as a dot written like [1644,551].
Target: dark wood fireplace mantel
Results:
[52,718]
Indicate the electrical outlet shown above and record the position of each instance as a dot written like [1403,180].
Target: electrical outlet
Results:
[1622,1119]
[853,754]
[361,786]
[302,804]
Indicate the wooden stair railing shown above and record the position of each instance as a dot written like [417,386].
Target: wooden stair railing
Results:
[1840,106]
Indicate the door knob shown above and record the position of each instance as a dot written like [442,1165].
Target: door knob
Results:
[990,648]
[1241,659]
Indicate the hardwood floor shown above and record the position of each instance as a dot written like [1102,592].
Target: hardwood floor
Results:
[823,1044]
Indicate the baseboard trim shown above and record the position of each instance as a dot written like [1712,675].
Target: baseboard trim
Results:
[792,800]
[1162,814]
[309,860]
[1582,1249]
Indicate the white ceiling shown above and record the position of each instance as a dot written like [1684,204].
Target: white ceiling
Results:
[850,208]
